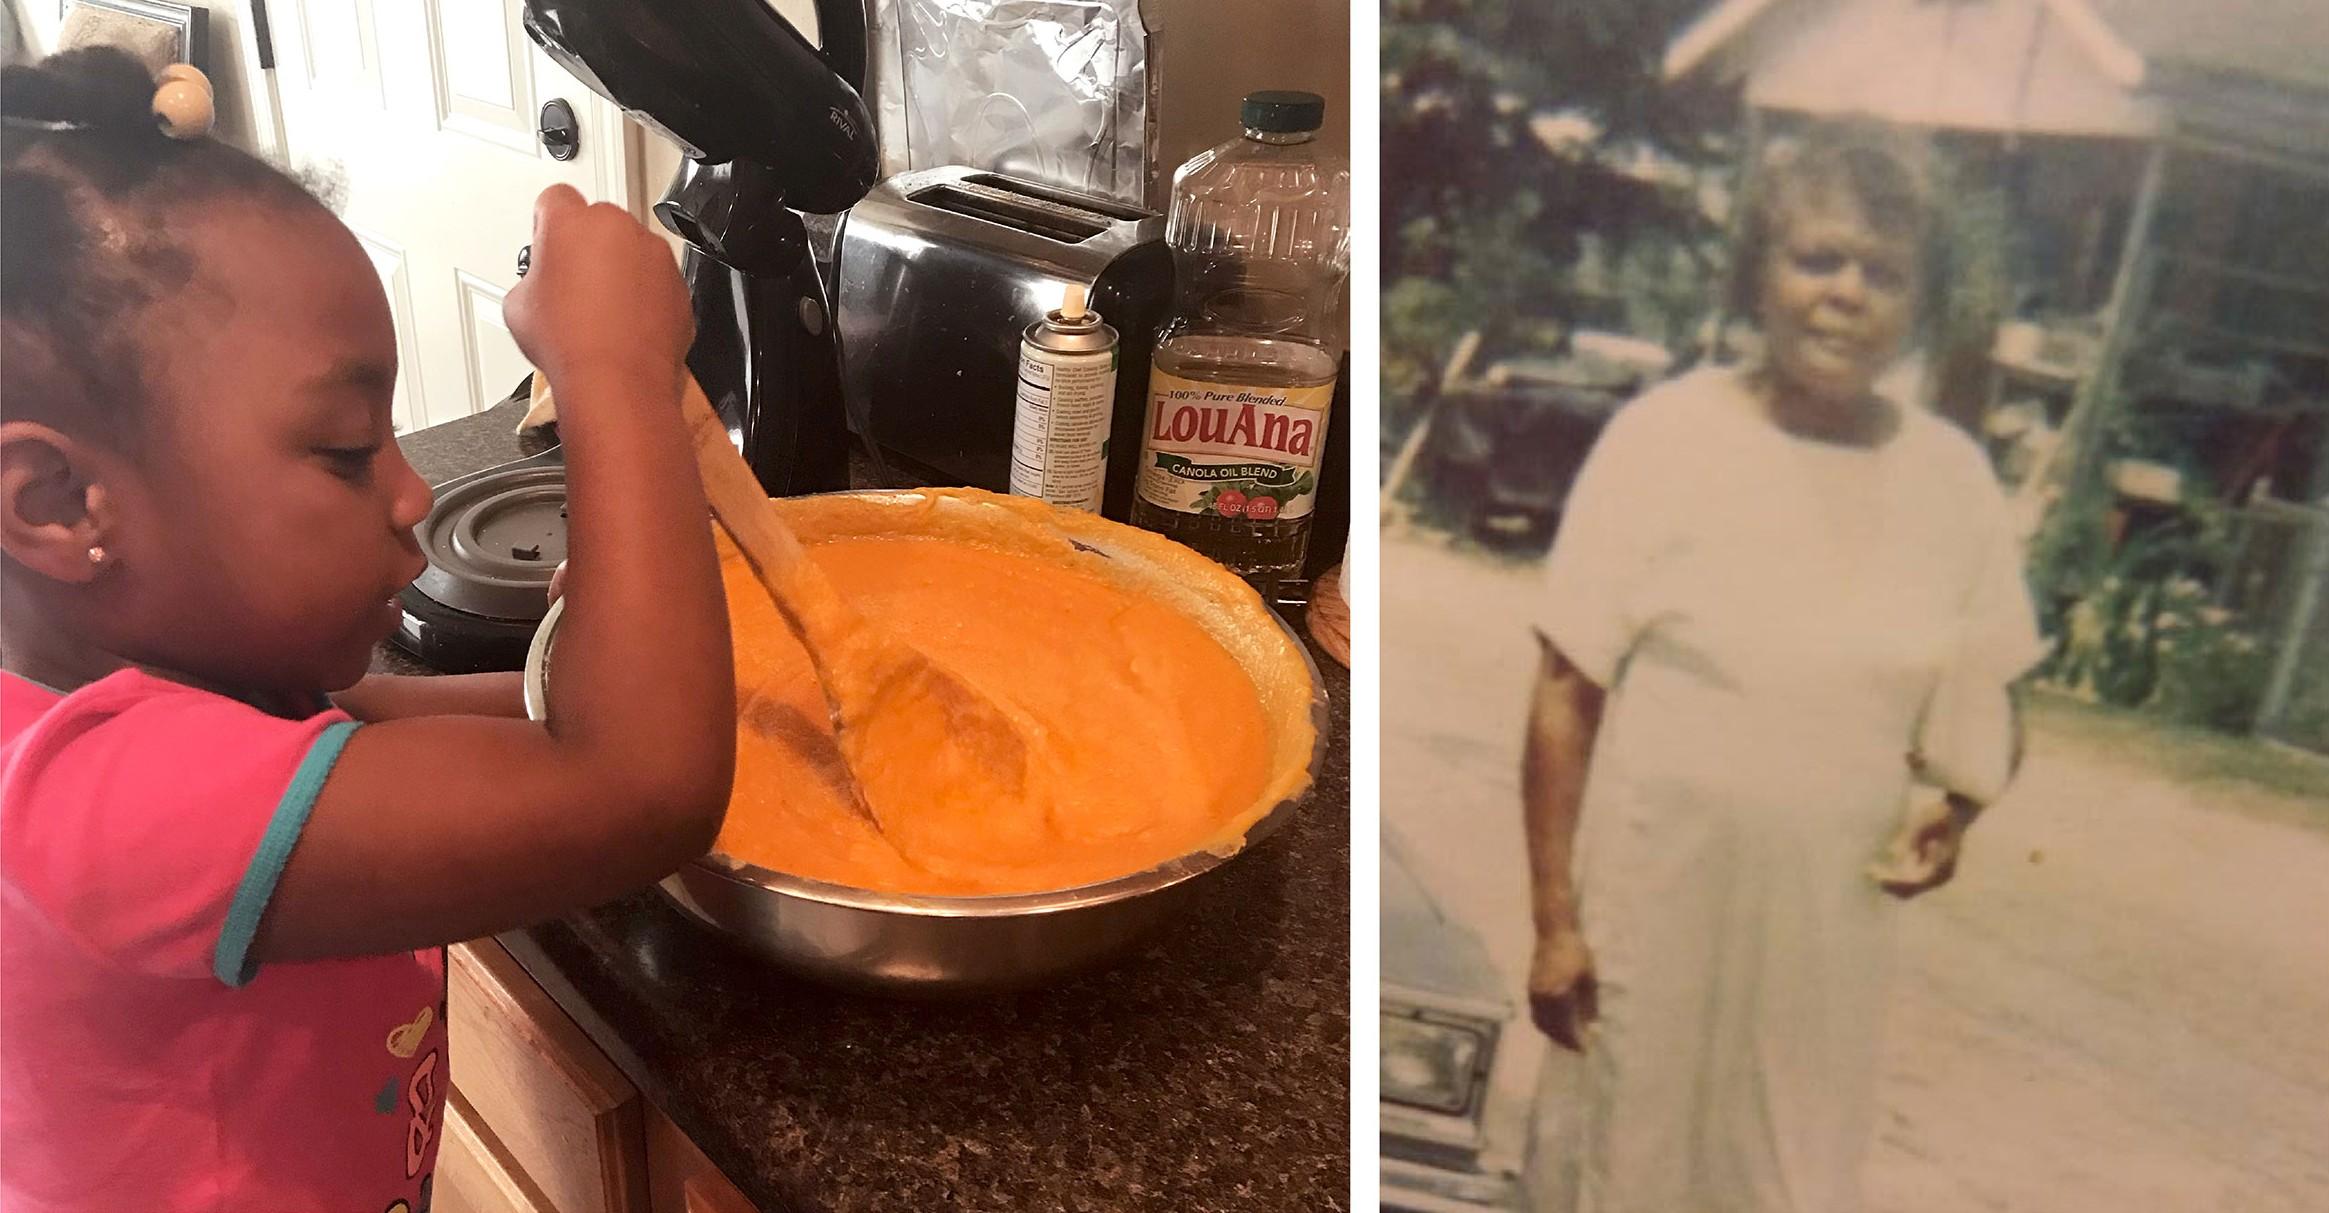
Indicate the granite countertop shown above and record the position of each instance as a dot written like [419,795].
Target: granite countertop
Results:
[1209,1072]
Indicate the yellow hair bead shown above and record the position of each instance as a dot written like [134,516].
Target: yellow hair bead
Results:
[184,107]
[184,71]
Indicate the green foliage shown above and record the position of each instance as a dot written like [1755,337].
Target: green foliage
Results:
[2072,549]
[2143,633]
[2071,552]
[1471,197]
[1422,318]
[2211,672]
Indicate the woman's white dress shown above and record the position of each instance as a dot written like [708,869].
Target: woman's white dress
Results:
[1770,614]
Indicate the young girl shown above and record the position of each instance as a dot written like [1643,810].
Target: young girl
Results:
[224,898]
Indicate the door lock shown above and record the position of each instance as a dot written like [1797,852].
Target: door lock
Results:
[561,134]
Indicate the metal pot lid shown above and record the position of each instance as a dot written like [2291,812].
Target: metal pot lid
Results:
[493,542]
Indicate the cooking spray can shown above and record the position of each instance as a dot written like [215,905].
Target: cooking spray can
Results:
[1067,399]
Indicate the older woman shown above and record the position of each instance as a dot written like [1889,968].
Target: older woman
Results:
[1764,576]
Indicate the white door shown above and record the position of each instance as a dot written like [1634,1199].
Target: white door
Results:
[428,111]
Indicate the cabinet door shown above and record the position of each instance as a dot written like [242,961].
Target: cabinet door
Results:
[559,1111]
[472,1175]
[681,1179]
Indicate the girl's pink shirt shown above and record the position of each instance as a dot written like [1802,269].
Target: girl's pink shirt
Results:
[148,1062]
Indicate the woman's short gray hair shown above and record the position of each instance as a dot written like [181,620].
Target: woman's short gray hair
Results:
[1885,170]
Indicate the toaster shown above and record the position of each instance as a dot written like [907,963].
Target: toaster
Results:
[938,272]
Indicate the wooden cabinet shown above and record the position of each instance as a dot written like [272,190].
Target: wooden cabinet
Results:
[536,1095]
[681,1180]
[541,1122]
[472,1174]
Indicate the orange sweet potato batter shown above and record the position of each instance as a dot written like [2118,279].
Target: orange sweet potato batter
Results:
[1145,737]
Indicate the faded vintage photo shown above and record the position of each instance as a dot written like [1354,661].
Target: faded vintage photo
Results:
[1855,606]
[676,606]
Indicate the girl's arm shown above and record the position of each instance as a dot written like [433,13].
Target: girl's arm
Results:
[395,696]
[434,829]
[398,696]
[1564,718]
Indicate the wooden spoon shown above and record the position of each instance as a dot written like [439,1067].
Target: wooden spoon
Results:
[891,705]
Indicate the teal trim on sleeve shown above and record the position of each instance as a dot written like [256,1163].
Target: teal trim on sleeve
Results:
[231,963]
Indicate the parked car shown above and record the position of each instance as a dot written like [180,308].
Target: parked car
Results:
[1511,440]
[1448,1147]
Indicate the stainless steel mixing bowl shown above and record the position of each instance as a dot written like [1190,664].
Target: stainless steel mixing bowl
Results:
[910,945]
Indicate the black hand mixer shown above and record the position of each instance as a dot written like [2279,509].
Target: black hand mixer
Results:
[772,127]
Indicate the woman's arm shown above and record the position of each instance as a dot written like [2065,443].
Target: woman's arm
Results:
[1564,718]
[1924,856]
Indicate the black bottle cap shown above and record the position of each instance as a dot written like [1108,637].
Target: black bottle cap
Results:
[1283,113]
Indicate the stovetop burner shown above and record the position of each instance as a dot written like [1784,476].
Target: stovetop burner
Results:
[492,539]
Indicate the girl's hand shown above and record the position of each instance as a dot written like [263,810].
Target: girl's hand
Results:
[602,298]
[1923,856]
[1563,994]
[557,581]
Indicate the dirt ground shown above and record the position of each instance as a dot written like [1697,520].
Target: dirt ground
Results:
[2122,1003]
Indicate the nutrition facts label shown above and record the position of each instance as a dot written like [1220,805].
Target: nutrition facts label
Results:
[1059,444]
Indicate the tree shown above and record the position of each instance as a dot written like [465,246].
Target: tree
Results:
[1475,202]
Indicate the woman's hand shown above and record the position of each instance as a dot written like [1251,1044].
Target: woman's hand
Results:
[1564,717]
[557,581]
[1563,994]
[1923,856]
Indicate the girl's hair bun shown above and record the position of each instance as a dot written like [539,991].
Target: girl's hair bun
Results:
[101,89]
[95,154]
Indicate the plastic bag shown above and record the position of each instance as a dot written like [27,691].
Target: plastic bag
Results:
[1056,91]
